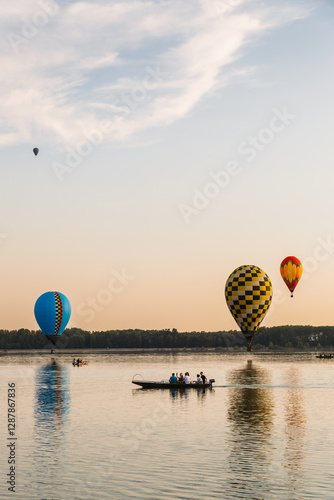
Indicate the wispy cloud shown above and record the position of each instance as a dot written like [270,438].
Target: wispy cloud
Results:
[137,64]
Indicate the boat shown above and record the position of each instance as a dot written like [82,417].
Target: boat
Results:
[146,384]
[325,356]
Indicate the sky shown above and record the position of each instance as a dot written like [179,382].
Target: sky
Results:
[178,141]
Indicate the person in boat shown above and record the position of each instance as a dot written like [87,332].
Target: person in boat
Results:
[199,379]
[204,379]
[186,378]
[180,380]
[173,379]
[74,362]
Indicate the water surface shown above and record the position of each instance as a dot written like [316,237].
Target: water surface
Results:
[265,430]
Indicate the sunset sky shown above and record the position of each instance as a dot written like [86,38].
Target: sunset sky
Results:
[178,140]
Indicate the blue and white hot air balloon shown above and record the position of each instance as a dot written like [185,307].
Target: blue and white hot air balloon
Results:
[52,312]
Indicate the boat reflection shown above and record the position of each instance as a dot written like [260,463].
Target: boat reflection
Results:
[250,413]
[175,394]
[184,393]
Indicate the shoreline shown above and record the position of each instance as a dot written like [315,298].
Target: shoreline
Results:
[162,350]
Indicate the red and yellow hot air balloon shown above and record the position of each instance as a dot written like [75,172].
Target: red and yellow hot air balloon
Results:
[291,272]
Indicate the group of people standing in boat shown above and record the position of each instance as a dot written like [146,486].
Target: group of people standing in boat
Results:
[185,379]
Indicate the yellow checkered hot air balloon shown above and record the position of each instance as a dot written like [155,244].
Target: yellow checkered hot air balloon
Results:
[248,293]
[291,272]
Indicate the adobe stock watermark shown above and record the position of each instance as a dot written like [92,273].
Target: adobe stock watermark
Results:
[248,149]
[31,27]
[116,285]
[323,251]
[126,103]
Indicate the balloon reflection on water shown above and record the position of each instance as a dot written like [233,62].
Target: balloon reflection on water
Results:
[251,406]
[51,409]
[52,395]
[251,417]
[295,426]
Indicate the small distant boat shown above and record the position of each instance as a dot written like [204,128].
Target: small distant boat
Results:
[145,384]
[325,356]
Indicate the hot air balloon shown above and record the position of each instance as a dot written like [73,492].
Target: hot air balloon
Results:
[291,271]
[35,151]
[248,294]
[52,313]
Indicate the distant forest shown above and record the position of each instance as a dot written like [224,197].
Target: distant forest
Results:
[278,337]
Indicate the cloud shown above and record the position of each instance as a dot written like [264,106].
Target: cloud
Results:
[138,64]
[91,63]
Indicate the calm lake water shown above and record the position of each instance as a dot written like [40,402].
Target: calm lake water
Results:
[265,431]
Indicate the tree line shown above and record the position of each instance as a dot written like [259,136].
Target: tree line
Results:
[287,337]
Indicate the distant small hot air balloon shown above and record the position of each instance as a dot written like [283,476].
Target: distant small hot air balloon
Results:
[291,271]
[35,151]
[248,294]
[52,313]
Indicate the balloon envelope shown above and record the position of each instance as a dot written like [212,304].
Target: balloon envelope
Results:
[36,151]
[52,313]
[291,272]
[248,294]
